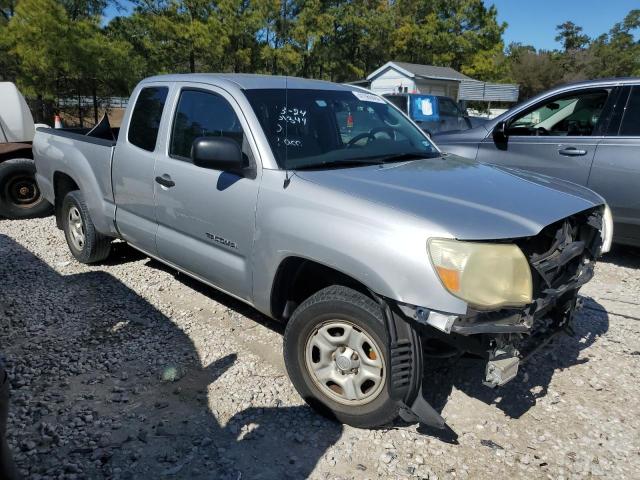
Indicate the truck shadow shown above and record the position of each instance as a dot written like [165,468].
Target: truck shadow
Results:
[534,377]
[219,297]
[104,385]
[465,374]
[623,256]
[122,253]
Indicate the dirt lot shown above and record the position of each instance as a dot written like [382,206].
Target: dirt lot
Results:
[130,370]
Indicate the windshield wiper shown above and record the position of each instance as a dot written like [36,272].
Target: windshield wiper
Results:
[339,164]
[368,160]
[400,157]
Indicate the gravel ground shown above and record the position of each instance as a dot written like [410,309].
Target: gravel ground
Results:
[130,370]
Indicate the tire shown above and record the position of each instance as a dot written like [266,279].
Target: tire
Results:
[86,244]
[311,324]
[20,196]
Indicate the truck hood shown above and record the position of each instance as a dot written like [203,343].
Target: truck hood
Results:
[470,200]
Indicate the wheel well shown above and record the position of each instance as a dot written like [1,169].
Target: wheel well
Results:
[298,278]
[62,184]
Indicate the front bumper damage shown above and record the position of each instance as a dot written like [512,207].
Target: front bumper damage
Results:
[561,258]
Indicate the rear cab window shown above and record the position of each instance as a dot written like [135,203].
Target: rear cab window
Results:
[146,116]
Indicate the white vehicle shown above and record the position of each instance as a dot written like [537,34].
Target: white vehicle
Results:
[20,196]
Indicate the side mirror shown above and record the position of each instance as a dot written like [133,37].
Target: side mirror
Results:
[500,134]
[217,153]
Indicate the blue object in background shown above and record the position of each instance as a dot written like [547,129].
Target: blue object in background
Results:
[432,113]
[424,108]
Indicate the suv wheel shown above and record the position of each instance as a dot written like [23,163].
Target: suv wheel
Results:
[86,244]
[335,350]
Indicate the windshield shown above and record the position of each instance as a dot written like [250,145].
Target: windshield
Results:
[335,128]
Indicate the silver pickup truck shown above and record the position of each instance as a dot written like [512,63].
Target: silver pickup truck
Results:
[323,206]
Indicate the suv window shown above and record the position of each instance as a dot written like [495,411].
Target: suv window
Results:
[202,114]
[145,119]
[576,114]
[630,126]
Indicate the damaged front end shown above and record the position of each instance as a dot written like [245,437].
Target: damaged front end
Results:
[561,258]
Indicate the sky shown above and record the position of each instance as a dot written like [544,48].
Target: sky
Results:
[112,11]
[533,22]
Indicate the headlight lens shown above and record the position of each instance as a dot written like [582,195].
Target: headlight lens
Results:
[607,230]
[486,275]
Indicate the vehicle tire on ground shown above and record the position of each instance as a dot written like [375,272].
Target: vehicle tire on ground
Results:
[86,244]
[20,196]
[335,351]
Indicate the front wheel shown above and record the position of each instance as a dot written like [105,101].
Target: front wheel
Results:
[335,350]
[20,196]
[86,244]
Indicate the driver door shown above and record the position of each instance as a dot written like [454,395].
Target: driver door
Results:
[556,137]
[206,217]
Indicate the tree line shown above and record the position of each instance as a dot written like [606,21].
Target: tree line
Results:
[68,49]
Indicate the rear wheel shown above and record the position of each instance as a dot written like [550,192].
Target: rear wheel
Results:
[86,244]
[335,349]
[20,196]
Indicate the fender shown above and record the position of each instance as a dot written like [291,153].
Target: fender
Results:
[383,249]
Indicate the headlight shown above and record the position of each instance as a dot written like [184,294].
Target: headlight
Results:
[485,275]
[607,230]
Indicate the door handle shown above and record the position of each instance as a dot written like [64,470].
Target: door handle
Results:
[165,181]
[572,152]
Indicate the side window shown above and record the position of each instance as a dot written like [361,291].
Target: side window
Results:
[449,108]
[630,126]
[202,114]
[145,119]
[576,114]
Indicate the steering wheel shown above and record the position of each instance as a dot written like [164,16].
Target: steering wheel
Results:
[391,133]
[368,135]
[371,135]
[541,132]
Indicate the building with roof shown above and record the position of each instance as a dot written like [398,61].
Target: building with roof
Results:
[403,77]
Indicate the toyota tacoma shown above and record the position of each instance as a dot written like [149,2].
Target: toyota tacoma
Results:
[323,206]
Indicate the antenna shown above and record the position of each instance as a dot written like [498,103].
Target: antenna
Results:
[287,177]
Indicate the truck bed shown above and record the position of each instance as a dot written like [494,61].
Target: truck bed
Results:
[84,159]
